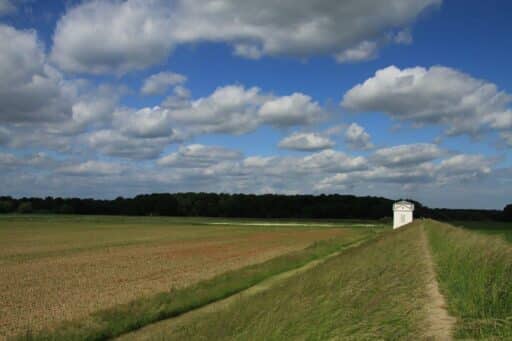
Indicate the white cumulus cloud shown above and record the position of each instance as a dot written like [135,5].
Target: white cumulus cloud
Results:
[357,137]
[159,83]
[408,154]
[436,95]
[112,36]
[119,36]
[30,89]
[306,142]
[296,109]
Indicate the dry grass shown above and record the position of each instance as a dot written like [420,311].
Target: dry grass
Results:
[62,269]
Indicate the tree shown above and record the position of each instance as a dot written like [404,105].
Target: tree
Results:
[6,206]
[507,212]
[25,207]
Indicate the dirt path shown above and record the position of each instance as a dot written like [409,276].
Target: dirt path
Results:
[155,330]
[441,324]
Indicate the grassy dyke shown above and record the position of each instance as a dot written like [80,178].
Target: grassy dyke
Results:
[124,318]
[475,275]
[373,291]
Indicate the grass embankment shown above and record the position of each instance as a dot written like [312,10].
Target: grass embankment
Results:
[123,318]
[475,274]
[373,291]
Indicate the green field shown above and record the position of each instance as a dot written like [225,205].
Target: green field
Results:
[490,227]
[178,278]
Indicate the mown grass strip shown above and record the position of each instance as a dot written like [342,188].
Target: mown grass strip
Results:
[124,318]
[475,273]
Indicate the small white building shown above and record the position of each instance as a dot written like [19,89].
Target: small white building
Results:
[402,213]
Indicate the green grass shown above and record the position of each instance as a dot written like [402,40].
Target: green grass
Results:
[475,274]
[127,317]
[501,228]
[373,291]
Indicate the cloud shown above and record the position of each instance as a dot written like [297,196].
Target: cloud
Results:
[403,37]
[357,138]
[453,170]
[296,109]
[30,89]
[4,136]
[289,27]
[306,142]
[235,109]
[112,36]
[92,168]
[198,156]
[437,95]
[113,143]
[159,83]
[465,166]
[146,123]
[229,109]
[407,155]
[507,137]
[6,7]
[333,161]
[34,162]
[247,51]
[92,108]
[119,36]
[366,50]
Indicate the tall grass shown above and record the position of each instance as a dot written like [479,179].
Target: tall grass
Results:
[120,319]
[475,274]
[375,291]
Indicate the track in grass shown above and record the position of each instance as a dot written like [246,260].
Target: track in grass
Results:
[441,323]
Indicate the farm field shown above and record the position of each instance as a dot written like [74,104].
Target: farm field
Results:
[59,268]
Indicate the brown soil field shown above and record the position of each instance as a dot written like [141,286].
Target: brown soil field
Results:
[55,270]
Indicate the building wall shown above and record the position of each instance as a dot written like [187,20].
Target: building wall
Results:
[401,218]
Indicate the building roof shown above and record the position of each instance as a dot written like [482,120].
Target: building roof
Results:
[402,204]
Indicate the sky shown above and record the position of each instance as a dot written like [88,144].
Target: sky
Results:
[402,98]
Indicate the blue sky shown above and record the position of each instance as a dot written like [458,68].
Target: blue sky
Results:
[403,99]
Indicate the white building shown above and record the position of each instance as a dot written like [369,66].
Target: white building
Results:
[402,213]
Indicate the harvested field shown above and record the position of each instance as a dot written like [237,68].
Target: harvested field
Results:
[61,268]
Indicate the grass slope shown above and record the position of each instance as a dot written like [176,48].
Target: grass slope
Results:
[475,274]
[373,291]
[138,313]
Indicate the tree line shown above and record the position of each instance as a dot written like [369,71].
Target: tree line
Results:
[333,206]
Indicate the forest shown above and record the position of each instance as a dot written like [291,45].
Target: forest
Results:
[334,206]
